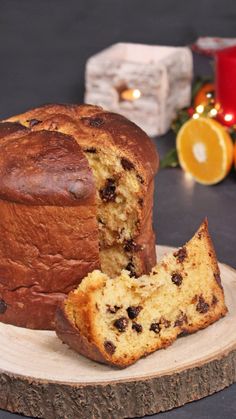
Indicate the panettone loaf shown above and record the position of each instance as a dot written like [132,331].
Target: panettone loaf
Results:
[76,194]
[117,321]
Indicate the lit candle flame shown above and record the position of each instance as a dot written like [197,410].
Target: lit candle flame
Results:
[130,94]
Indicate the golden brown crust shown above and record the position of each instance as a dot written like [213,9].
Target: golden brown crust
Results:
[71,335]
[212,252]
[92,126]
[27,307]
[44,168]
[9,128]
[45,251]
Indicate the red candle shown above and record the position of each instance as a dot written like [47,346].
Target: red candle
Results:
[225,67]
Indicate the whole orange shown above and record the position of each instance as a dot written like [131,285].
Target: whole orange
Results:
[201,96]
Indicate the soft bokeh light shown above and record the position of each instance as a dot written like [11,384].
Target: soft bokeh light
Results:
[213,112]
[188,183]
[209,95]
[228,117]
[188,176]
[200,109]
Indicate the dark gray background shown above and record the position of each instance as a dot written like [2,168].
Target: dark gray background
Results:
[43,49]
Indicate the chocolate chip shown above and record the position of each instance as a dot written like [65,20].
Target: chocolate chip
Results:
[91,150]
[176,278]
[93,122]
[181,254]
[3,306]
[214,300]
[181,319]
[101,221]
[137,327]
[130,267]
[33,122]
[126,164]
[112,309]
[121,324]
[108,193]
[199,235]
[131,246]
[109,347]
[202,306]
[155,327]
[133,311]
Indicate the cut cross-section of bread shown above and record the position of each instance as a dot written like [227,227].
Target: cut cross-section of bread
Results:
[76,194]
[123,162]
[117,321]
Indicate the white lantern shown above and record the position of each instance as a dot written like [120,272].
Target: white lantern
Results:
[145,83]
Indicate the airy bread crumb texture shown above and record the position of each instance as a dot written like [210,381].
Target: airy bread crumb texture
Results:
[126,318]
[118,188]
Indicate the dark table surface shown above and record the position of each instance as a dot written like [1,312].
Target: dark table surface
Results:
[44,46]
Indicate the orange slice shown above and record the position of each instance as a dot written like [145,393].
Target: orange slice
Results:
[205,150]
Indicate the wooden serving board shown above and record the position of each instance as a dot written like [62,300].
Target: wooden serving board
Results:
[40,376]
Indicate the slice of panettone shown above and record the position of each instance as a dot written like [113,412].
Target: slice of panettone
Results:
[117,321]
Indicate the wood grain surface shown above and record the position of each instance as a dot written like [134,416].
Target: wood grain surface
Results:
[41,377]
